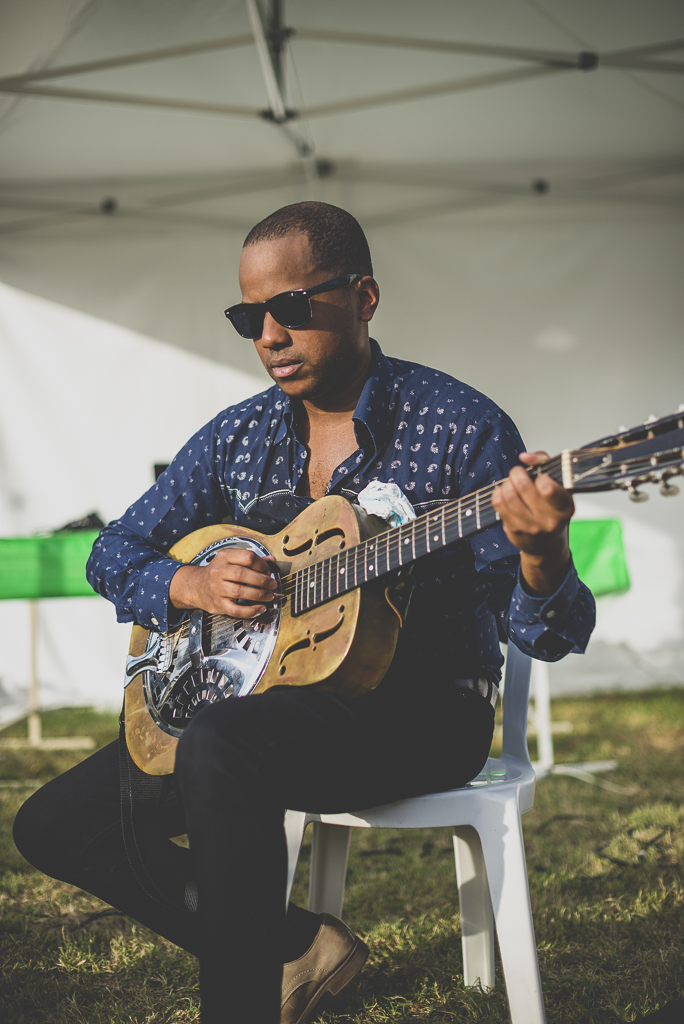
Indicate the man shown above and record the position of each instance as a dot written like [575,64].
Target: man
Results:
[340,415]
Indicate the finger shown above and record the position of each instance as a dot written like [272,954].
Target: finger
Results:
[541,495]
[253,595]
[517,494]
[552,493]
[523,509]
[513,511]
[240,611]
[231,573]
[246,557]
[533,458]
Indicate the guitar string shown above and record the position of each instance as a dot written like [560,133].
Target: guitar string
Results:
[466,506]
[448,516]
[289,582]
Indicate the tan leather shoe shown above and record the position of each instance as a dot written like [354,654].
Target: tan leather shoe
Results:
[330,962]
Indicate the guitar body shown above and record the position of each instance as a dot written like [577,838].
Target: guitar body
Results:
[345,645]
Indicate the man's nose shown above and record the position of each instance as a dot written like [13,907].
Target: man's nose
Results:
[274,334]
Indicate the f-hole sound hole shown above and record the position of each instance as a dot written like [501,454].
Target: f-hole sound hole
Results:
[320,637]
[334,532]
[291,552]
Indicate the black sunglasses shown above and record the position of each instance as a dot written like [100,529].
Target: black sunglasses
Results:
[289,309]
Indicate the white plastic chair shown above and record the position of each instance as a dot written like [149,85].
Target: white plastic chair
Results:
[488,849]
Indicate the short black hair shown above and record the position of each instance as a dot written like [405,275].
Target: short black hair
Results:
[336,239]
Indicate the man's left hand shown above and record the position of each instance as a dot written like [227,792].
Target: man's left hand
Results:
[535,514]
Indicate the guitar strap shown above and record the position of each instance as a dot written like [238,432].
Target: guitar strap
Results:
[141,795]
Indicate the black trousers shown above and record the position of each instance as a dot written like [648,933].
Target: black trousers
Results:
[240,764]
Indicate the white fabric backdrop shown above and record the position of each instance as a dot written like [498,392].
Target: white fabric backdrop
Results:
[86,409]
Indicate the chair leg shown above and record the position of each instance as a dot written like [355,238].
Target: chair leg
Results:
[477,921]
[329,853]
[501,836]
[295,823]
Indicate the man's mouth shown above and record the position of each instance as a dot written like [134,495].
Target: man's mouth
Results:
[284,369]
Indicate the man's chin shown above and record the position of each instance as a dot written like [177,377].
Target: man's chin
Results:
[296,388]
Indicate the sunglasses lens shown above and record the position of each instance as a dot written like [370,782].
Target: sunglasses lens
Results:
[290,310]
[248,324]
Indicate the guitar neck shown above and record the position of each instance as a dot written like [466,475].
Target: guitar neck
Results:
[650,453]
[386,552]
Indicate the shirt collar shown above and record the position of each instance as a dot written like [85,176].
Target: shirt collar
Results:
[372,409]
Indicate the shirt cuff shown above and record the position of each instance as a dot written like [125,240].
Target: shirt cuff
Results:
[151,602]
[568,613]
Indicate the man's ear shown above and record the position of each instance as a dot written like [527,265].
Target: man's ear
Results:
[368,292]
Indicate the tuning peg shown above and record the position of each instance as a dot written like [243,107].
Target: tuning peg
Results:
[668,490]
[650,419]
[635,495]
[680,407]
[622,429]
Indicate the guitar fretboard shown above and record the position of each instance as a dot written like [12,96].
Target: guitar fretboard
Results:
[386,552]
[653,452]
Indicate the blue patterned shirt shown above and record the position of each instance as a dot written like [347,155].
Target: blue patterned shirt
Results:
[433,436]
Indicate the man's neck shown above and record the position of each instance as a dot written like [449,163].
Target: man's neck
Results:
[338,407]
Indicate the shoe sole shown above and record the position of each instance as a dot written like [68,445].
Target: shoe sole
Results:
[342,976]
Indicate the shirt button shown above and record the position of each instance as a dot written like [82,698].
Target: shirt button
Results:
[154,621]
[550,614]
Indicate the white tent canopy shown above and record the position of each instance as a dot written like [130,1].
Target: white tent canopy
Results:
[518,165]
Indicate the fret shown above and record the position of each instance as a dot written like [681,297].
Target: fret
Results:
[434,538]
[477,509]
[388,565]
[413,538]
[310,587]
[342,571]
[320,579]
[325,579]
[443,518]
[421,536]
[460,524]
[369,561]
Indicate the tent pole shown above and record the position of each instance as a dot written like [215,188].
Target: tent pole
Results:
[270,51]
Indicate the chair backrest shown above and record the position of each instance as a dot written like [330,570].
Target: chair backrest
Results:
[515,700]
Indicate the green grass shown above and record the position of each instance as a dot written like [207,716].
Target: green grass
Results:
[605,877]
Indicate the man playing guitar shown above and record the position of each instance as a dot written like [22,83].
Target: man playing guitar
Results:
[340,415]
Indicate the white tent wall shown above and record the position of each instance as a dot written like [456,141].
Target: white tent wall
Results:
[76,435]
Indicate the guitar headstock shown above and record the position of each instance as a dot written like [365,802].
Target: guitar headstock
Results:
[653,452]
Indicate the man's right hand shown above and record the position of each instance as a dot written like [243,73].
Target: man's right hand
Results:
[233,573]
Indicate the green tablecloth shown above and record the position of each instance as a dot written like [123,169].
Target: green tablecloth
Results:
[599,555]
[50,566]
[54,565]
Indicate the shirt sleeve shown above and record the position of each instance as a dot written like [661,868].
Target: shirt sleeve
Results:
[129,563]
[546,628]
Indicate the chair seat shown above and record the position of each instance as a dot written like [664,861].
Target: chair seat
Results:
[500,777]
